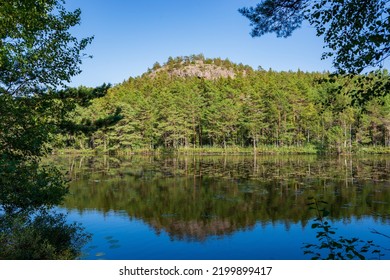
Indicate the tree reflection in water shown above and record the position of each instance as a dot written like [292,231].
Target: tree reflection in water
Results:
[194,198]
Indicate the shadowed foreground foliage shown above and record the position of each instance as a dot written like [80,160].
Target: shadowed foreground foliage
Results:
[46,236]
[355,33]
[37,55]
[331,247]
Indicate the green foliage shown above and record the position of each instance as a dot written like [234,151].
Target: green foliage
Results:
[36,48]
[37,56]
[335,248]
[27,186]
[281,17]
[82,95]
[45,236]
[36,52]
[356,33]
[264,110]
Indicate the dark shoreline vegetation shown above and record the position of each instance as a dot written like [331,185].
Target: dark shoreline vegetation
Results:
[198,105]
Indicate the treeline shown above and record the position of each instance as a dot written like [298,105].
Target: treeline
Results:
[254,109]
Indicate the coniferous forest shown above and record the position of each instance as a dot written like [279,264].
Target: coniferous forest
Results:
[197,103]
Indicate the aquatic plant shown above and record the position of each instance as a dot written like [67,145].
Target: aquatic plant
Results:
[331,247]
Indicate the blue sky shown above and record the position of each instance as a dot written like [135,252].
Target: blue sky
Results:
[131,35]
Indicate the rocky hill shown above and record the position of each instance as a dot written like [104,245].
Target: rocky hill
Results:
[198,66]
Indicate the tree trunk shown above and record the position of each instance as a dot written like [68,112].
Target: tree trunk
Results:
[254,144]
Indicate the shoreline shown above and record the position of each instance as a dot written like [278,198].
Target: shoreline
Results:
[207,151]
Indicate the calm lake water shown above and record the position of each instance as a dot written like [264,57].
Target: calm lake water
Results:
[223,207]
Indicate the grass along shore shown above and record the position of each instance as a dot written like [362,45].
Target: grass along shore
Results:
[231,150]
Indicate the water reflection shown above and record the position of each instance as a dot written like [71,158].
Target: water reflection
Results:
[197,198]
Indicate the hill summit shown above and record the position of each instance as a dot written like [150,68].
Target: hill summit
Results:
[199,66]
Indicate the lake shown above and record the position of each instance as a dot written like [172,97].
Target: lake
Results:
[224,207]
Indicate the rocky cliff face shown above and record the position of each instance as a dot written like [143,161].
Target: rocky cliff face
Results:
[209,69]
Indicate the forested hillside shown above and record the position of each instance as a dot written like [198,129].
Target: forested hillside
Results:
[193,102]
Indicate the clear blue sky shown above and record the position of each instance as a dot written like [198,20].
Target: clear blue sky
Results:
[131,35]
